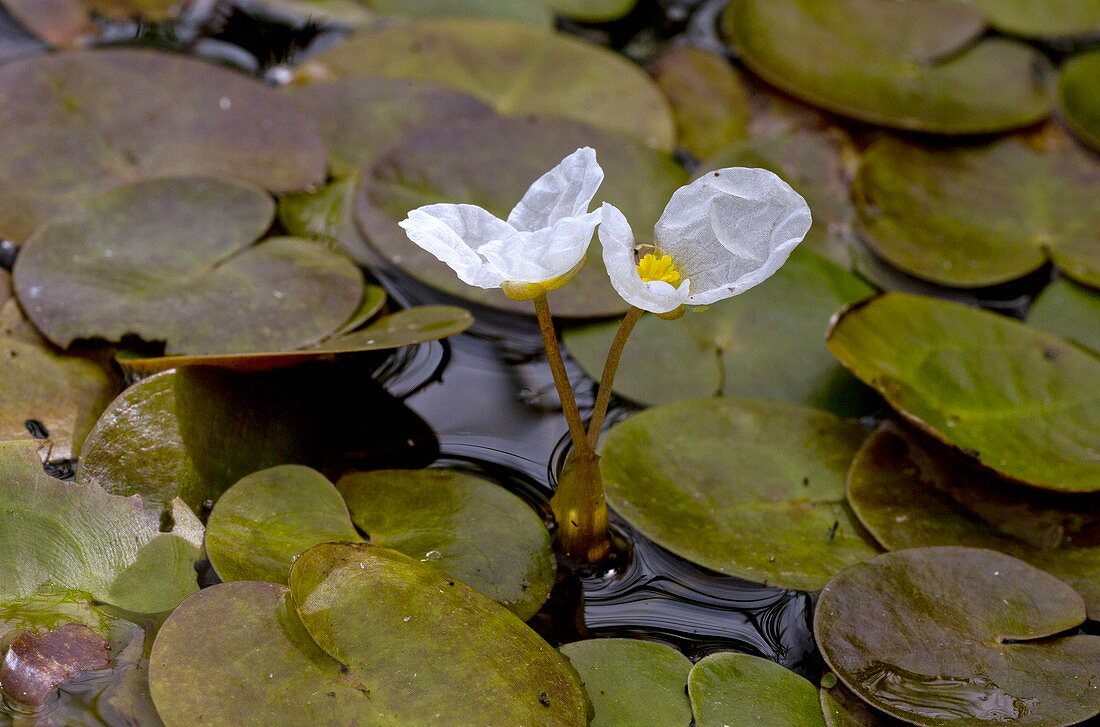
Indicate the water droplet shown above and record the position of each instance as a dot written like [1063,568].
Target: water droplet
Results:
[941,697]
[224,103]
[432,555]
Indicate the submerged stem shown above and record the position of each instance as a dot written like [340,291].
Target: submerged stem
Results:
[611,365]
[561,377]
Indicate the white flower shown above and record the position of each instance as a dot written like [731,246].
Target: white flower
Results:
[719,236]
[541,246]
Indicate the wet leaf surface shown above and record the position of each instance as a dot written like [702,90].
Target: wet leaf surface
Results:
[750,488]
[172,260]
[764,343]
[260,525]
[735,689]
[75,125]
[36,664]
[47,394]
[977,216]
[914,64]
[844,709]
[468,527]
[1018,400]
[78,537]
[1041,19]
[1068,310]
[907,496]
[192,433]
[427,645]
[404,328]
[708,98]
[1079,96]
[815,163]
[490,164]
[988,626]
[632,682]
[555,74]
[359,117]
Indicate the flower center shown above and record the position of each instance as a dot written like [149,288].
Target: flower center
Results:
[654,267]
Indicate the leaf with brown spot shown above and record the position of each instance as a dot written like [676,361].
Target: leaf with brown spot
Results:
[36,664]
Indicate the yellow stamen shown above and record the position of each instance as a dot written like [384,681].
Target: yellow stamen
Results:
[658,267]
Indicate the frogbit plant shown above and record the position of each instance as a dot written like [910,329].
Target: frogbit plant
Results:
[718,236]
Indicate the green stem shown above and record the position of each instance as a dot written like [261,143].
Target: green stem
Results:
[561,377]
[607,380]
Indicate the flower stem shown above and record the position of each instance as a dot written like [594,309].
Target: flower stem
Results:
[561,377]
[578,502]
[611,365]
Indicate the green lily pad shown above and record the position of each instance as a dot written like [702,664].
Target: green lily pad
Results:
[739,689]
[844,709]
[1079,97]
[374,300]
[1042,19]
[260,525]
[750,488]
[172,260]
[909,64]
[815,164]
[469,527]
[194,432]
[1020,401]
[237,652]
[976,216]
[555,74]
[78,537]
[987,626]
[1068,310]
[903,496]
[404,328]
[490,164]
[359,117]
[632,682]
[49,608]
[428,645]
[321,214]
[709,100]
[46,393]
[764,343]
[78,124]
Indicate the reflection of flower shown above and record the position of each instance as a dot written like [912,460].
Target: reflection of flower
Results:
[719,236]
[539,248]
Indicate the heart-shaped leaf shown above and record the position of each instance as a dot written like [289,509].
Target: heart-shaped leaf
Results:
[734,689]
[1068,310]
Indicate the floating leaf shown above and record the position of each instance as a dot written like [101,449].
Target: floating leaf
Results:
[50,608]
[814,163]
[374,300]
[428,645]
[36,664]
[450,164]
[359,117]
[750,488]
[764,343]
[77,537]
[192,433]
[260,525]
[469,527]
[404,328]
[1042,19]
[844,709]
[632,682]
[975,216]
[322,214]
[74,125]
[171,260]
[709,101]
[45,394]
[1020,401]
[1068,310]
[909,64]
[556,74]
[1080,98]
[907,498]
[735,689]
[987,627]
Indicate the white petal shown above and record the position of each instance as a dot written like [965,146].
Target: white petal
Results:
[731,229]
[547,253]
[564,191]
[617,240]
[452,232]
